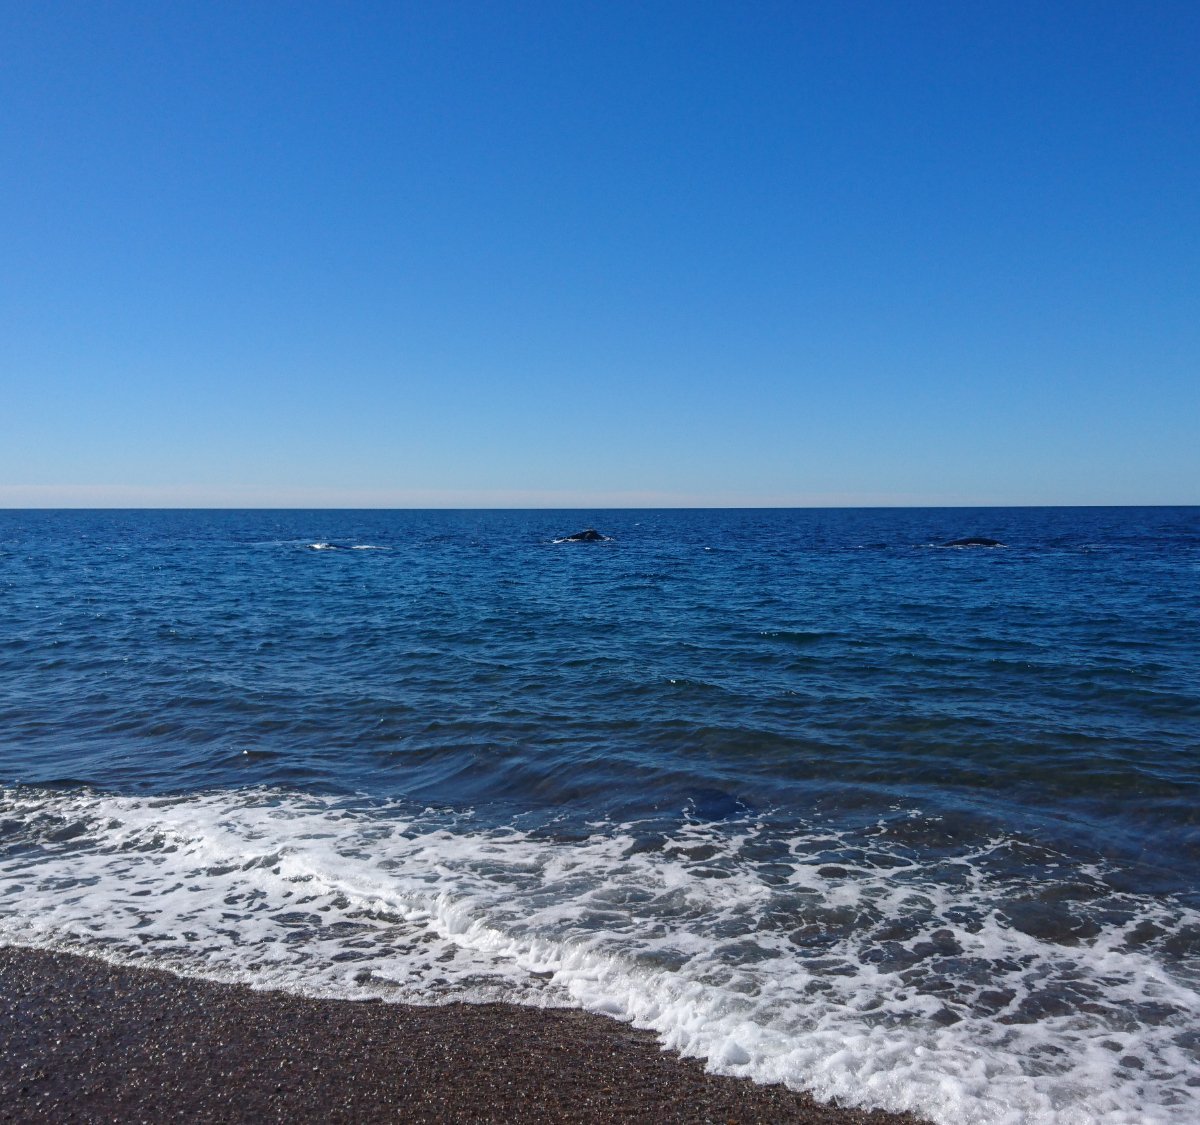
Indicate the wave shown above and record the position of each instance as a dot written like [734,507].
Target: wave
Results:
[322,546]
[882,975]
[800,637]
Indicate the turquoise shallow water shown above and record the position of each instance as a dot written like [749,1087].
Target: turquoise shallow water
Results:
[807,791]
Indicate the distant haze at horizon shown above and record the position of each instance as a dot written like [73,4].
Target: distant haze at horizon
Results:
[577,256]
[68,497]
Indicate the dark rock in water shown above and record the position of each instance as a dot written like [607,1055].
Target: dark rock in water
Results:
[590,535]
[974,541]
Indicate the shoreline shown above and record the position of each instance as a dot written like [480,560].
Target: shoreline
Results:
[91,1041]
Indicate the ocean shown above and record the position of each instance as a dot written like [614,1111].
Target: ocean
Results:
[809,793]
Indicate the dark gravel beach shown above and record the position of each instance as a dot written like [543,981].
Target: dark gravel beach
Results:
[83,1040]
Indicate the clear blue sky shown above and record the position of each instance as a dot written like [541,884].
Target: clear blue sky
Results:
[448,254]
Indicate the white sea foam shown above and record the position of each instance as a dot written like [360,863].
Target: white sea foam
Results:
[876,980]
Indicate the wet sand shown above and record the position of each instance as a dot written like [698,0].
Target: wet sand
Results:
[81,1040]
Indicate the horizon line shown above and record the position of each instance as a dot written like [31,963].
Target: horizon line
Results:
[570,507]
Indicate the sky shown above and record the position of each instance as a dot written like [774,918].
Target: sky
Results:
[614,254]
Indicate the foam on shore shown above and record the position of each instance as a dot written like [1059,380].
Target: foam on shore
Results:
[879,979]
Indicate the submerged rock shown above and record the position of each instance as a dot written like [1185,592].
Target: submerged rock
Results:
[714,804]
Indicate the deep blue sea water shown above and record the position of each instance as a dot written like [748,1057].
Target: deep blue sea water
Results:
[810,794]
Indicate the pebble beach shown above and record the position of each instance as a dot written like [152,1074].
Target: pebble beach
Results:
[88,1041]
